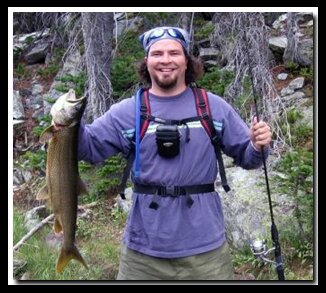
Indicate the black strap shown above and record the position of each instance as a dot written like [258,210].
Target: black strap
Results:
[173,190]
[207,122]
[126,173]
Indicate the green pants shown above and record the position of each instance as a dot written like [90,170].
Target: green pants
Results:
[213,265]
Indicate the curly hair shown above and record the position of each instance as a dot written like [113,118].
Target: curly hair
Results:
[194,71]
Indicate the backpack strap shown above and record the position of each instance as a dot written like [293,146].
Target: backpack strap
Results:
[203,112]
[145,114]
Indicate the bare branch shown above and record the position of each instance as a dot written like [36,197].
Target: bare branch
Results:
[32,232]
[243,40]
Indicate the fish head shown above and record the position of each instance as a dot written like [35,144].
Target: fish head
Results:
[67,110]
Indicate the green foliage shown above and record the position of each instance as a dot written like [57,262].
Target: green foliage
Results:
[301,134]
[16,53]
[293,67]
[118,217]
[48,71]
[293,115]
[83,166]
[295,250]
[244,257]
[123,74]
[85,229]
[128,44]
[298,165]
[216,80]
[20,70]
[18,226]
[305,252]
[111,166]
[97,244]
[29,40]
[61,88]
[160,18]
[58,54]
[103,186]
[34,160]
[37,130]
[304,71]
[78,81]
[307,73]
[50,100]
[298,184]
[104,179]
[204,31]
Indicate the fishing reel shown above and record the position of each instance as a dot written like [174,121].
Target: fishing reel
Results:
[260,250]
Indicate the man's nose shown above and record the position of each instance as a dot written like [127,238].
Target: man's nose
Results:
[165,57]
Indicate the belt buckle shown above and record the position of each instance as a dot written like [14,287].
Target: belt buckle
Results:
[169,190]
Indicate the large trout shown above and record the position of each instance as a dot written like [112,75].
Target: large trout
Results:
[63,183]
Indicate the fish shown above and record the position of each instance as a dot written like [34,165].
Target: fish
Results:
[63,184]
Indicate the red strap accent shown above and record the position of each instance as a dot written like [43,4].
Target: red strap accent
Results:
[200,112]
[204,93]
[145,122]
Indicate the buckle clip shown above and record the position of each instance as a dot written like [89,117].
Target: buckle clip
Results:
[169,190]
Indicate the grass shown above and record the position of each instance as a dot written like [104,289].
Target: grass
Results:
[246,263]
[97,238]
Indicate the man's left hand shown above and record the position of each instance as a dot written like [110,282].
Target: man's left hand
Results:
[260,134]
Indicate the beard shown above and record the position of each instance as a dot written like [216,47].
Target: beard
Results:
[165,83]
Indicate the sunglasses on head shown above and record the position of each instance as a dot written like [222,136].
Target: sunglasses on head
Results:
[172,32]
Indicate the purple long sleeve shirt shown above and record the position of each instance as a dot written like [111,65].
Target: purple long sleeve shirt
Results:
[174,229]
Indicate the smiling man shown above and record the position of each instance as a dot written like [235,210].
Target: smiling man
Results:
[166,64]
[175,229]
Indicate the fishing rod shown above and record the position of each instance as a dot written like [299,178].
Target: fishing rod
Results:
[259,247]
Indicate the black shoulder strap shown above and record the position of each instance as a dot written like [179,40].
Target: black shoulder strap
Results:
[203,111]
[145,112]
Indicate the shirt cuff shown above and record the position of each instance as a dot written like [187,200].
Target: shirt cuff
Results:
[252,144]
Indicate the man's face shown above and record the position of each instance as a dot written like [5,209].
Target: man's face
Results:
[167,64]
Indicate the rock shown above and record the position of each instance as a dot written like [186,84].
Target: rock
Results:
[54,240]
[18,267]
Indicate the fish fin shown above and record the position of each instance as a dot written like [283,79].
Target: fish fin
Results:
[66,255]
[57,227]
[82,188]
[47,134]
[43,193]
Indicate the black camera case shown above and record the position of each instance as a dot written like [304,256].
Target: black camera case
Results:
[168,141]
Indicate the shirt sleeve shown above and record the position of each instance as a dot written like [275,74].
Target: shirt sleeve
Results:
[235,138]
[103,138]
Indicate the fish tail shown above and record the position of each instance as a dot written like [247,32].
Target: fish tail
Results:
[66,255]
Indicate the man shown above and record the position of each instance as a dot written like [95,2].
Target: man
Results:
[174,240]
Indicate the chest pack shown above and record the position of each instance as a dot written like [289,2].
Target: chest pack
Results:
[167,134]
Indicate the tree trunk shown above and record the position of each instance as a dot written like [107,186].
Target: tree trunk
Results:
[98,33]
[185,18]
[291,52]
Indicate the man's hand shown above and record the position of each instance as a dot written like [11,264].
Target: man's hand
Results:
[260,134]
[56,126]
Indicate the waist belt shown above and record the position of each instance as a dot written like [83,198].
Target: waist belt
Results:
[173,190]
